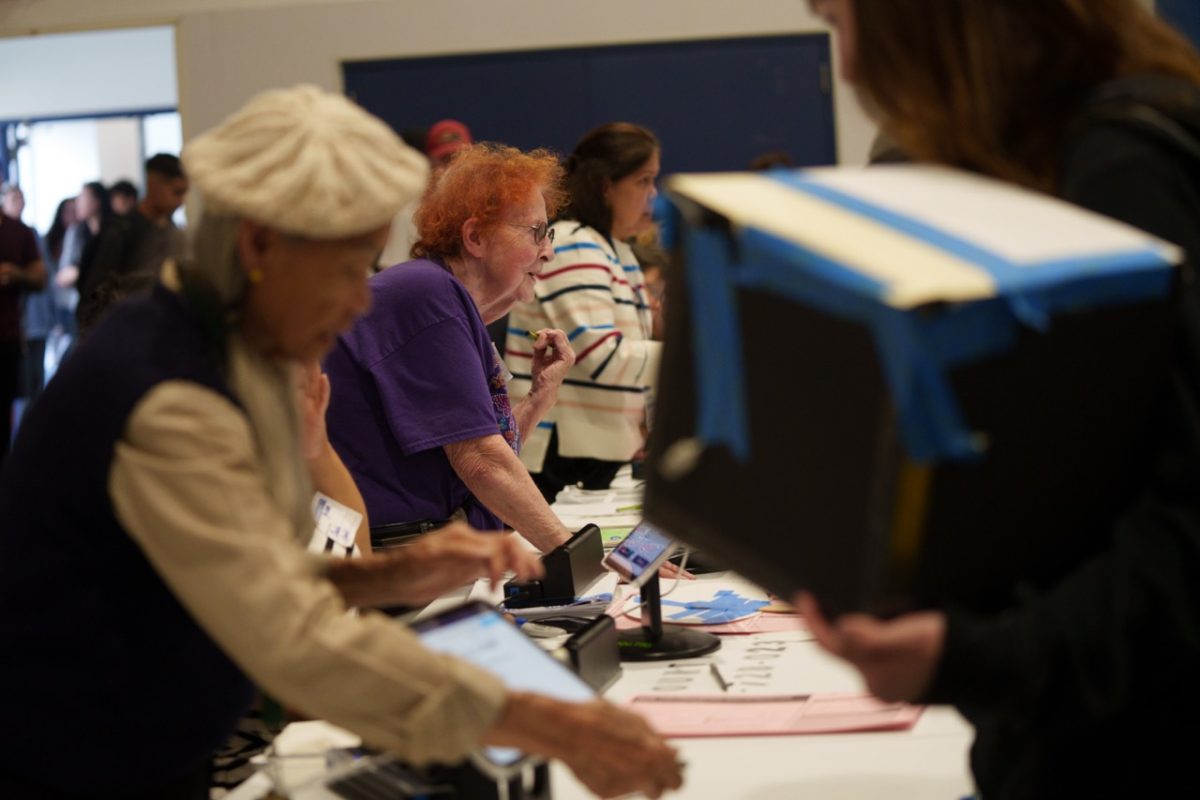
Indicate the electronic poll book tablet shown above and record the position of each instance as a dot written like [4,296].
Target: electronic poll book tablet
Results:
[477,633]
[640,554]
[638,559]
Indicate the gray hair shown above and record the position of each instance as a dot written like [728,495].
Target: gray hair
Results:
[264,386]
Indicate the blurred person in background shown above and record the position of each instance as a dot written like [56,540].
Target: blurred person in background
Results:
[38,316]
[21,271]
[440,143]
[122,197]
[146,237]
[62,330]
[93,214]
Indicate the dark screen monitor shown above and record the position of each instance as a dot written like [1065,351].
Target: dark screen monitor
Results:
[829,498]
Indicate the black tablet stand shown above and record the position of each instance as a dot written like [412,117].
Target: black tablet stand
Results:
[652,642]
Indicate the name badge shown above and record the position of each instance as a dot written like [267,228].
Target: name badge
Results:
[336,522]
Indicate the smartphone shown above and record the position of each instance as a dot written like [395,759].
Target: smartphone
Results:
[476,632]
[640,554]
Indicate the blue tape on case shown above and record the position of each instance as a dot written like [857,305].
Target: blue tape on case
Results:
[916,350]
[930,421]
[717,341]
[1036,290]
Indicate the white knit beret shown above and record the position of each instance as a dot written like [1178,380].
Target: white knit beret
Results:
[307,162]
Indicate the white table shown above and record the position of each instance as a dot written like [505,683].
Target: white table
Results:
[928,762]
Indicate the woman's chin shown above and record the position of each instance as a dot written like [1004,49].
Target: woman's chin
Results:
[525,294]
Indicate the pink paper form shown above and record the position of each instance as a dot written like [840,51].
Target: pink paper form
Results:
[746,715]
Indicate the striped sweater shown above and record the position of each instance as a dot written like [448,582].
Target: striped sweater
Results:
[594,291]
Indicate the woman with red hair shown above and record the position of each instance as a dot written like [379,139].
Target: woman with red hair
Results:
[420,408]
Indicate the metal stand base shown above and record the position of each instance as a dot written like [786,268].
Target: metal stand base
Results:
[672,643]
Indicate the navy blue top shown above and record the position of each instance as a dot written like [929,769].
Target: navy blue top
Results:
[106,682]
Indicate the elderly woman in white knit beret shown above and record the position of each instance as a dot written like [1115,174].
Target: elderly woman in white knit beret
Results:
[155,570]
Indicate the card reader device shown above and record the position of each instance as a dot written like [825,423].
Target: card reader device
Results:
[570,569]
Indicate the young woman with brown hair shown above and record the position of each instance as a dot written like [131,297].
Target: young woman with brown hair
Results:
[594,290]
[1078,689]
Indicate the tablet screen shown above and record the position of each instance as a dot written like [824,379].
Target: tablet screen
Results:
[478,634]
[641,553]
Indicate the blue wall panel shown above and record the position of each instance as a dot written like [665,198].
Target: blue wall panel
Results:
[1184,15]
[715,103]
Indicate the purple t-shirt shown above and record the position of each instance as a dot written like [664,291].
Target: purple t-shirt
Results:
[416,373]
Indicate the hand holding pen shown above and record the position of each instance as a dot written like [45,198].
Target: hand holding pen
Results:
[552,358]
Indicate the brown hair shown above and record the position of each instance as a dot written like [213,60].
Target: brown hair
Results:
[992,85]
[604,156]
[482,181]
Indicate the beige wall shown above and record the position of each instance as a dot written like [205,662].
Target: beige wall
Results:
[229,49]
[27,17]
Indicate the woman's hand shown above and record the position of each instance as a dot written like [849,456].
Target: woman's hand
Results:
[454,556]
[552,358]
[613,752]
[897,657]
[312,389]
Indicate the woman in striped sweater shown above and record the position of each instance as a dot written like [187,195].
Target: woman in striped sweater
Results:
[595,291]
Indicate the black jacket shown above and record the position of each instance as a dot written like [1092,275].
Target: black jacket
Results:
[1092,688]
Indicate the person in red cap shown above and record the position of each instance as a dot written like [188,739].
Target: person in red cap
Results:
[445,139]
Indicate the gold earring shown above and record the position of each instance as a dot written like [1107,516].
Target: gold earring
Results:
[255,276]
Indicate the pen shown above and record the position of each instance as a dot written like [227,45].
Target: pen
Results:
[623,509]
[718,677]
[533,337]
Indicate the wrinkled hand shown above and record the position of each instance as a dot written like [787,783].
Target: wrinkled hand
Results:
[611,751]
[552,358]
[897,657]
[454,556]
[614,752]
[312,395]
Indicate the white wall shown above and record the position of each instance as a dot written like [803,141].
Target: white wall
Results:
[87,73]
[28,17]
[229,49]
[118,143]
